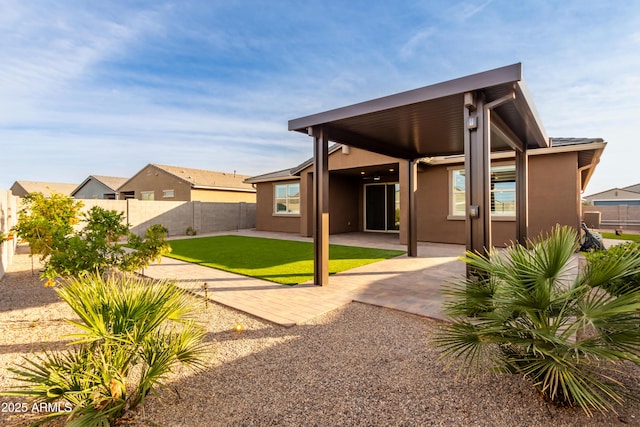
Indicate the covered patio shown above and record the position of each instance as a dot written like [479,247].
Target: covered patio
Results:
[473,115]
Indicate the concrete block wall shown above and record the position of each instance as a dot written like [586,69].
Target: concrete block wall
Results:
[620,216]
[204,217]
[8,218]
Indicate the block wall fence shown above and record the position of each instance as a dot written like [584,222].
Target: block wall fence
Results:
[203,217]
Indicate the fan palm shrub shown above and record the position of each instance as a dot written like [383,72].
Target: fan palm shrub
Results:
[132,334]
[531,313]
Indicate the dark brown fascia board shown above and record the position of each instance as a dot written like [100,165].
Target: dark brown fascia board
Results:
[503,75]
[459,158]
[526,107]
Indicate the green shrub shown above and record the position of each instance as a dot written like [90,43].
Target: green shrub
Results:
[629,281]
[132,333]
[43,222]
[530,315]
[47,224]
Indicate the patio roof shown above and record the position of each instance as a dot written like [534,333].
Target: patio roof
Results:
[427,121]
[472,115]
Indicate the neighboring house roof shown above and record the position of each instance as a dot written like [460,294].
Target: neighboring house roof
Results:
[204,179]
[634,188]
[614,194]
[280,175]
[28,187]
[285,174]
[112,182]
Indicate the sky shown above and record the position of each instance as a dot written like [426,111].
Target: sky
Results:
[104,88]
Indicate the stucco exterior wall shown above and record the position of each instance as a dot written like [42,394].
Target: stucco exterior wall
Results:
[344,204]
[157,180]
[266,219]
[554,192]
[93,190]
[554,198]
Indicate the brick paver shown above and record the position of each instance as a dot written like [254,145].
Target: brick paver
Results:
[403,283]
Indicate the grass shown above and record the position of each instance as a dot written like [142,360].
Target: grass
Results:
[281,261]
[624,236]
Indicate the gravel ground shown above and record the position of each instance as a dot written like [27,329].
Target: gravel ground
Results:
[359,365]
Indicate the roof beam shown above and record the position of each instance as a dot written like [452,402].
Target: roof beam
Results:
[498,76]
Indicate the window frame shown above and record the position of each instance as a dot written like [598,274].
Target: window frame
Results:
[166,196]
[288,198]
[456,216]
[147,193]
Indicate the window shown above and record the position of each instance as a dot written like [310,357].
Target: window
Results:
[287,198]
[503,191]
[146,195]
[167,193]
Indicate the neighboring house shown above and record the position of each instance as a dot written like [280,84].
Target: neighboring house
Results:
[22,188]
[616,196]
[98,187]
[365,188]
[175,183]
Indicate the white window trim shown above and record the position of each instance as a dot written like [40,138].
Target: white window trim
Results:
[164,194]
[142,193]
[286,214]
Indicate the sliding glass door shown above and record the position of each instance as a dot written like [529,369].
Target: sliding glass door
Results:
[382,207]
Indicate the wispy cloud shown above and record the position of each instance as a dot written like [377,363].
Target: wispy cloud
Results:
[106,87]
[417,41]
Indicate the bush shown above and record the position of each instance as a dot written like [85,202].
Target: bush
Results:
[528,315]
[43,222]
[132,335]
[627,282]
[47,224]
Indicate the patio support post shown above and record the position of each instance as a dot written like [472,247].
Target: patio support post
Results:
[320,206]
[412,223]
[477,161]
[522,196]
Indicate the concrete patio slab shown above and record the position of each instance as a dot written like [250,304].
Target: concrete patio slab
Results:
[402,283]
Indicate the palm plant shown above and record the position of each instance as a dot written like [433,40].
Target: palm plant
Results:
[133,333]
[531,313]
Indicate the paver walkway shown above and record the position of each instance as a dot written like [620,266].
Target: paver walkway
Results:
[403,283]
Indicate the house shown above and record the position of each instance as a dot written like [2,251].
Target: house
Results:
[175,183]
[365,187]
[629,195]
[22,188]
[98,187]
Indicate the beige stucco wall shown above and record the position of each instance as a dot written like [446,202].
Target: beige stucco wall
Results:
[554,198]
[266,219]
[157,180]
[554,192]
[222,196]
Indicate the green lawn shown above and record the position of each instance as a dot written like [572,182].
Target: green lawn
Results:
[282,261]
[632,237]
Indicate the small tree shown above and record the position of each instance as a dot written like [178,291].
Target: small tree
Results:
[45,222]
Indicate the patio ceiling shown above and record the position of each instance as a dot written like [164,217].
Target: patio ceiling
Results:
[429,121]
[472,115]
